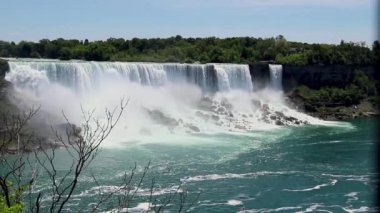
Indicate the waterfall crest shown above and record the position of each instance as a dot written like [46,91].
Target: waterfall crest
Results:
[166,100]
[85,76]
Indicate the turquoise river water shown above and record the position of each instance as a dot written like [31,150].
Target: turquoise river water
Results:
[291,169]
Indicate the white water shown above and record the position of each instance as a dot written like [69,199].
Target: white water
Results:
[166,100]
[87,76]
[275,76]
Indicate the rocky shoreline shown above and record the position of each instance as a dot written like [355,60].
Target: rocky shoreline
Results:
[364,109]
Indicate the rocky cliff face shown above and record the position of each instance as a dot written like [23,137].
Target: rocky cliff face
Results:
[317,76]
[260,75]
[4,67]
[312,76]
[4,87]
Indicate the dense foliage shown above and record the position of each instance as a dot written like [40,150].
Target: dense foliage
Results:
[14,204]
[362,87]
[204,50]
[16,208]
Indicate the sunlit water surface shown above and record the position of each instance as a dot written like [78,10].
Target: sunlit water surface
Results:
[291,169]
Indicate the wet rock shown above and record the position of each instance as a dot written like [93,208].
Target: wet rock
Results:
[264,119]
[68,128]
[214,108]
[206,104]
[230,114]
[291,119]
[279,123]
[256,104]
[194,128]
[215,117]
[273,117]
[161,118]
[226,104]
[203,116]
[265,107]
[240,126]
[221,110]
[280,114]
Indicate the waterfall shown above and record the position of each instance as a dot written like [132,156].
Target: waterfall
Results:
[166,99]
[85,76]
[275,76]
[233,77]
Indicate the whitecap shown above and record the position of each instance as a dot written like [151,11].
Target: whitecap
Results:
[332,183]
[141,207]
[234,202]
[233,176]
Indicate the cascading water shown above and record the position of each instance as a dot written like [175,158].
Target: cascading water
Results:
[275,76]
[85,76]
[165,99]
[232,77]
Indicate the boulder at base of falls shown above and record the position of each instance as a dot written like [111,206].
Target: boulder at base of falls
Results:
[265,107]
[206,104]
[279,123]
[161,118]
[203,116]
[273,117]
[226,104]
[221,110]
[230,114]
[279,114]
[215,117]
[291,119]
[193,128]
[240,126]
[256,104]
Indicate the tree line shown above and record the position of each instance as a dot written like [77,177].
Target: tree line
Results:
[191,50]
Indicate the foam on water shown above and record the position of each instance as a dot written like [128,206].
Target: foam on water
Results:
[332,183]
[141,207]
[234,202]
[212,177]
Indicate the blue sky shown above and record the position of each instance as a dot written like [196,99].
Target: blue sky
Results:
[313,21]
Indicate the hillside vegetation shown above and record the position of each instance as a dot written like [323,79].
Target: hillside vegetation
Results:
[203,50]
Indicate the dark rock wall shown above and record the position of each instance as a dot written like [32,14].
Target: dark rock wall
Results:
[313,76]
[4,67]
[260,75]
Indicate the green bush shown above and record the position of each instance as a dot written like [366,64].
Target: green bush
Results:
[293,59]
[361,87]
[16,208]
